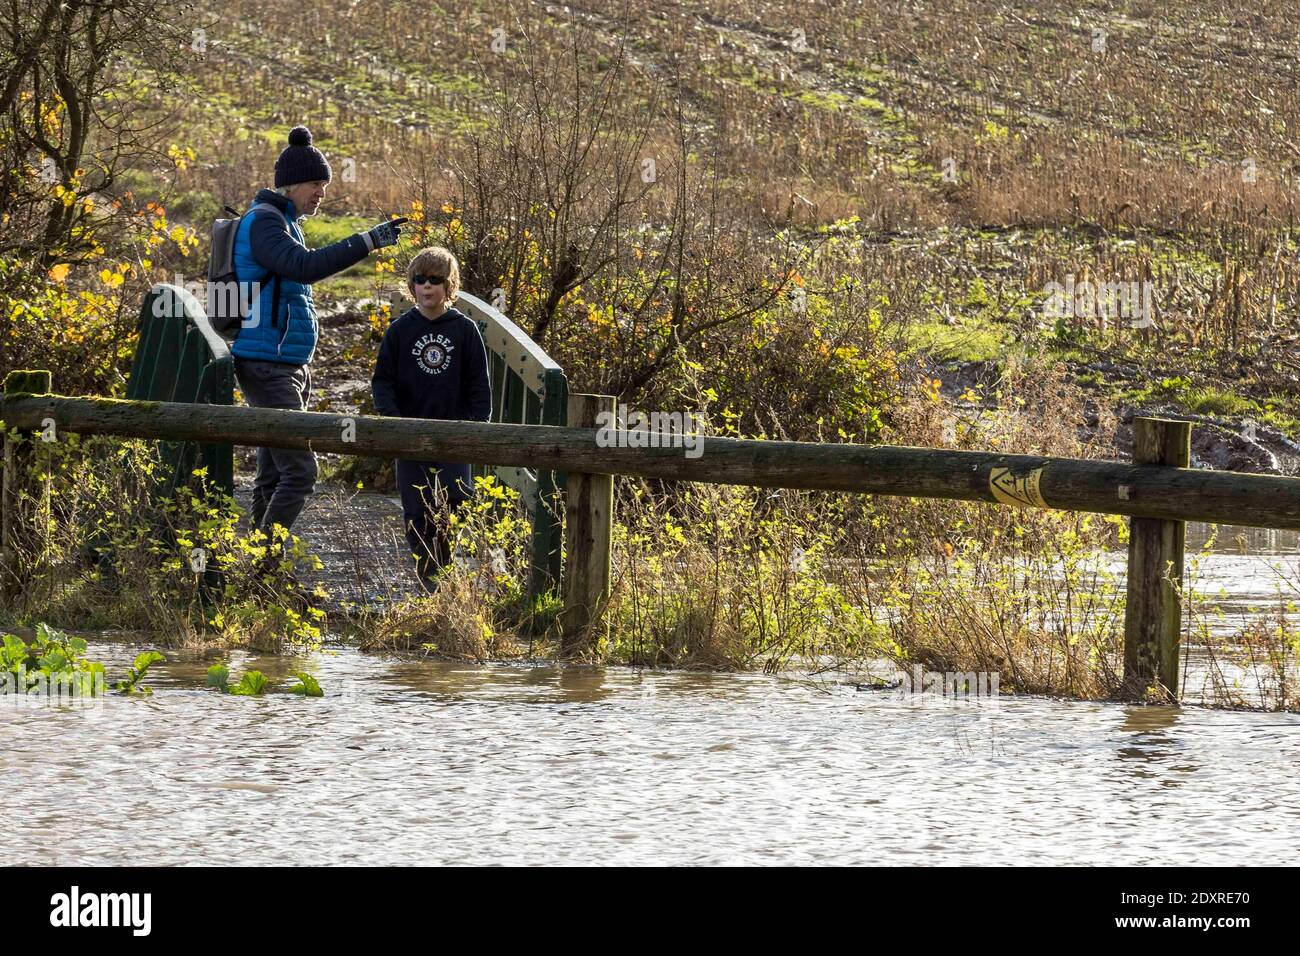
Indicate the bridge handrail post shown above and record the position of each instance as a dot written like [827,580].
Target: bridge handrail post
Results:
[19,456]
[588,532]
[1156,557]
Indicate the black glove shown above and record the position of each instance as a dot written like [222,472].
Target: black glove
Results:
[384,234]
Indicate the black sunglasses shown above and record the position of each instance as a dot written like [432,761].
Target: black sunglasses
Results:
[421,280]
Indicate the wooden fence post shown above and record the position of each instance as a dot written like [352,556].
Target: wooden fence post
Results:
[1153,614]
[18,457]
[588,523]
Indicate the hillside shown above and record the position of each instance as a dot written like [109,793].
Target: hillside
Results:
[961,172]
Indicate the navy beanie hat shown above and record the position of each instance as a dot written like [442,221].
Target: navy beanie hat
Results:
[301,162]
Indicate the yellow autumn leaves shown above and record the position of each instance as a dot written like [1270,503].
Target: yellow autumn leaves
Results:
[181,156]
[113,278]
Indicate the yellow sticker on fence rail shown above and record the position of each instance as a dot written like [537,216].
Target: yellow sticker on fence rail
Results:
[1019,490]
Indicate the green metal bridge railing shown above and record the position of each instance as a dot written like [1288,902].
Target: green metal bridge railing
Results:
[181,358]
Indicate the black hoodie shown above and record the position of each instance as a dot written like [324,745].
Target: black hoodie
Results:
[433,368]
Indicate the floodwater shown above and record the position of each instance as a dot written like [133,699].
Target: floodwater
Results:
[1254,568]
[406,761]
[423,762]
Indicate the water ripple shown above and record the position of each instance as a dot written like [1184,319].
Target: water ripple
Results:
[416,762]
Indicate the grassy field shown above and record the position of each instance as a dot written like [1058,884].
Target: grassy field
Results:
[1150,144]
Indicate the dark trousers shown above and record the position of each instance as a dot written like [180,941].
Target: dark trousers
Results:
[285,477]
[430,493]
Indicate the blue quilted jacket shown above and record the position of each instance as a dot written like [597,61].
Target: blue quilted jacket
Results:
[267,246]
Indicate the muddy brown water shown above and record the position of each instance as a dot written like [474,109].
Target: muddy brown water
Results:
[408,761]
[423,762]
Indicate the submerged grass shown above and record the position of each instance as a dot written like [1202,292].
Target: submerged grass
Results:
[1250,659]
[450,624]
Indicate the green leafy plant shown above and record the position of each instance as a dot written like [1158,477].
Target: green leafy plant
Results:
[131,683]
[255,683]
[53,658]
[252,684]
[308,686]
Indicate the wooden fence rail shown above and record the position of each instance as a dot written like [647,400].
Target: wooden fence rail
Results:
[1156,488]
[1070,484]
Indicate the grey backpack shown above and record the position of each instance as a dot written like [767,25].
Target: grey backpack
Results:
[226,303]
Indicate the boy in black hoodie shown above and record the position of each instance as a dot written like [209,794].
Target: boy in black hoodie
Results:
[432,364]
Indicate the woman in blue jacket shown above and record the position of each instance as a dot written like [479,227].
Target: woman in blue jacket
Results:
[276,343]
